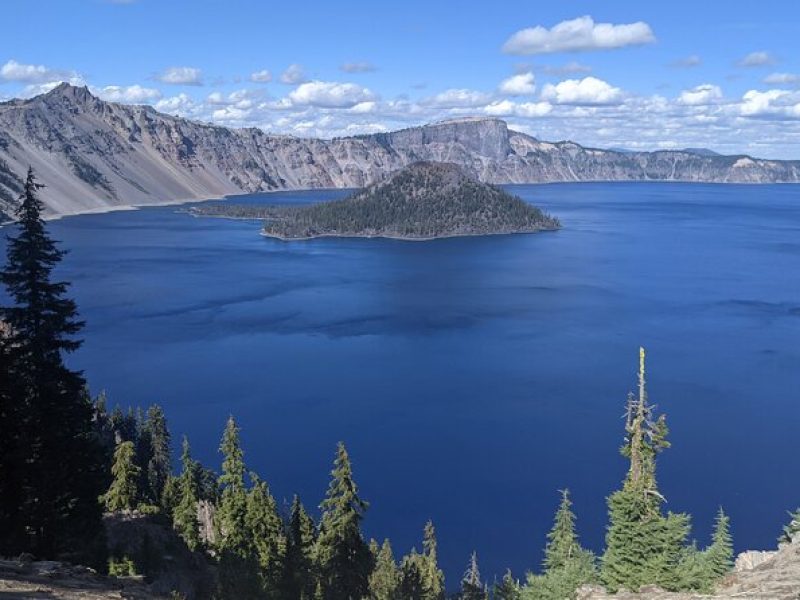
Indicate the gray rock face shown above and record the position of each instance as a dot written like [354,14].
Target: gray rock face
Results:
[95,155]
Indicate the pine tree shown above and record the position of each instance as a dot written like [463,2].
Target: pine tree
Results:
[385,579]
[791,531]
[299,582]
[420,576]
[266,530]
[55,465]
[720,553]
[507,588]
[159,464]
[184,516]
[471,586]
[123,493]
[238,570]
[562,541]
[642,545]
[343,557]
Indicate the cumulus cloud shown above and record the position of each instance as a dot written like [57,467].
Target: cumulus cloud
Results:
[181,76]
[357,67]
[787,79]
[757,59]
[23,73]
[687,62]
[589,91]
[457,98]
[262,76]
[329,94]
[508,108]
[578,35]
[293,75]
[522,84]
[181,104]
[702,95]
[134,94]
[772,103]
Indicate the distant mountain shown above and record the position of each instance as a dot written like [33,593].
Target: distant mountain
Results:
[701,151]
[95,155]
[424,200]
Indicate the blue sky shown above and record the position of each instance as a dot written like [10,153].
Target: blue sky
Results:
[614,73]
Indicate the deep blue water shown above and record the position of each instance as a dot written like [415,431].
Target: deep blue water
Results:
[471,378]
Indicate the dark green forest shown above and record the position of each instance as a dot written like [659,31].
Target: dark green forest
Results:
[66,458]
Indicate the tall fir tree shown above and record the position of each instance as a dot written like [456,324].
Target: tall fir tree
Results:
[159,465]
[472,587]
[643,546]
[507,588]
[238,569]
[791,531]
[343,557]
[184,516]
[720,553]
[384,582]
[562,540]
[124,491]
[54,460]
[266,529]
[299,581]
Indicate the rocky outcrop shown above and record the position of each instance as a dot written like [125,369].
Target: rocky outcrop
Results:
[95,155]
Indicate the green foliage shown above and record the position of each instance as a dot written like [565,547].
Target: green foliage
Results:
[52,467]
[472,587]
[507,588]
[562,541]
[720,553]
[266,530]
[420,576]
[184,516]
[158,466]
[121,567]
[343,557]
[792,530]
[124,491]
[298,578]
[384,582]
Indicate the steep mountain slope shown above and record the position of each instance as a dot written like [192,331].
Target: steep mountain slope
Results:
[94,155]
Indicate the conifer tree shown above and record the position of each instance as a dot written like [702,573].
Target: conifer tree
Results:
[562,541]
[56,467]
[720,553]
[343,557]
[159,464]
[412,585]
[642,545]
[507,588]
[471,585]
[123,493]
[299,581]
[385,579]
[266,530]
[185,514]
[792,530]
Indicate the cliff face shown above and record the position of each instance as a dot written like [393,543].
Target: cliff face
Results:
[95,155]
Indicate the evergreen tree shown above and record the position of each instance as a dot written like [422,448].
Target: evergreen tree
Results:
[159,464]
[642,545]
[52,460]
[238,570]
[562,541]
[507,588]
[412,580]
[471,586]
[299,581]
[385,579]
[185,514]
[123,493]
[791,531]
[266,529]
[720,553]
[343,557]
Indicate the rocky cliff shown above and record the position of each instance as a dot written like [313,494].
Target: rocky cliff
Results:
[95,155]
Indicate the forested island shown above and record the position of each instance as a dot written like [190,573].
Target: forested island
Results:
[426,200]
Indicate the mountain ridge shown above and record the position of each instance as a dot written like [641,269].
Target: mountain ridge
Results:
[97,155]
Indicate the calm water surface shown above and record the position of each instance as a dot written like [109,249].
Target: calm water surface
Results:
[471,378]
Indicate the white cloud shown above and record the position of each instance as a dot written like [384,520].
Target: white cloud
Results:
[181,104]
[357,67]
[789,79]
[702,95]
[757,59]
[508,108]
[134,94]
[588,91]
[522,84]
[262,76]
[364,107]
[329,94]
[687,62]
[15,71]
[457,98]
[772,103]
[181,76]
[578,35]
[293,75]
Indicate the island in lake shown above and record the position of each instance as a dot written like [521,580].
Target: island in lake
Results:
[425,200]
